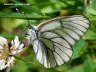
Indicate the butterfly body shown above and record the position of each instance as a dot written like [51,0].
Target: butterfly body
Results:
[53,40]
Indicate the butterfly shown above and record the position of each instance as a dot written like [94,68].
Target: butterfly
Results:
[53,39]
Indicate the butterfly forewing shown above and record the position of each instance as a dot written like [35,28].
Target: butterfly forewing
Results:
[57,37]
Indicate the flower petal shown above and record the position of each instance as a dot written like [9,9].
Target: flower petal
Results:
[10,61]
[1,47]
[3,41]
[2,64]
[20,48]
[15,42]
[16,46]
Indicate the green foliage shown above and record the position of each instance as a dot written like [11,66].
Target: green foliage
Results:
[79,49]
[91,8]
[14,23]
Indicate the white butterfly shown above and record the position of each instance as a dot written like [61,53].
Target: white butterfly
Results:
[53,39]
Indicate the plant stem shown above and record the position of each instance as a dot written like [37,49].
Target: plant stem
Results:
[21,16]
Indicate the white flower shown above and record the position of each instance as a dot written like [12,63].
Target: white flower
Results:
[16,47]
[8,52]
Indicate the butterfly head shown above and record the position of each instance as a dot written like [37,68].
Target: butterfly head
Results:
[31,33]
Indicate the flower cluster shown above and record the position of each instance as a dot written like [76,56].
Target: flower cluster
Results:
[8,51]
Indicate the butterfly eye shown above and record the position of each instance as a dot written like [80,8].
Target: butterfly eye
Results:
[30,27]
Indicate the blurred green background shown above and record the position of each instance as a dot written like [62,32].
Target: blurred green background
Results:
[14,22]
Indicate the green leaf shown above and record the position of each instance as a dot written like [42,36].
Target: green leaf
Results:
[90,35]
[91,11]
[42,3]
[92,7]
[93,25]
[77,69]
[89,65]
[79,49]
[93,4]
[19,67]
